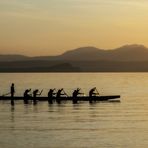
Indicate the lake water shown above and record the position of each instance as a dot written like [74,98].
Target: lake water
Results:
[104,125]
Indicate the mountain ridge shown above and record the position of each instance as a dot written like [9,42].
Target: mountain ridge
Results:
[127,58]
[134,52]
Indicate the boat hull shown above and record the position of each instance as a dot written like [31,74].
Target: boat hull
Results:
[80,98]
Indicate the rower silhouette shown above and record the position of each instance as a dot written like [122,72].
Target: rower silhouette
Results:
[27,95]
[12,92]
[51,95]
[59,94]
[35,94]
[92,93]
[75,94]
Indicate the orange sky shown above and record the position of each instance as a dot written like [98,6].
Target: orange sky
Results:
[49,27]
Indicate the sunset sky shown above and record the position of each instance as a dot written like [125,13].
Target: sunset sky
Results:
[50,27]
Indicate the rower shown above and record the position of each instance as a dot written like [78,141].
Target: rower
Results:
[75,94]
[50,95]
[59,94]
[92,94]
[35,94]
[27,95]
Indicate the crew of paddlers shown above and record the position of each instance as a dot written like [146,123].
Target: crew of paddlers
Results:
[52,94]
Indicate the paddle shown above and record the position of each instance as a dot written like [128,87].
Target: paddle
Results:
[41,92]
[79,93]
[82,94]
[97,91]
[65,93]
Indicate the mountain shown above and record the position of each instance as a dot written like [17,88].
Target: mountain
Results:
[128,58]
[133,52]
[85,54]
[125,53]
[129,53]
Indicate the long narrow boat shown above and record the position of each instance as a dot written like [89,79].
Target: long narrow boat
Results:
[79,98]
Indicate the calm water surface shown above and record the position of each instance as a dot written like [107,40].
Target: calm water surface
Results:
[103,125]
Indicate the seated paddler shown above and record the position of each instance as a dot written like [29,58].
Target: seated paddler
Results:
[76,92]
[51,93]
[60,92]
[27,93]
[93,92]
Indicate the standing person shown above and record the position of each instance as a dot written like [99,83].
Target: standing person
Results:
[12,91]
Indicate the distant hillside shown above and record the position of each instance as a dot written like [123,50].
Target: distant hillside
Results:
[37,66]
[111,66]
[125,53]
[128,58]
[84,54]
[13,57]
[129,53]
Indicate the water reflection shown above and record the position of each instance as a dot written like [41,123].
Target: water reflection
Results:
[35,108]
[12,113]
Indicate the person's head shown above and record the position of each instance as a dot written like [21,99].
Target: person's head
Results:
[12,84]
